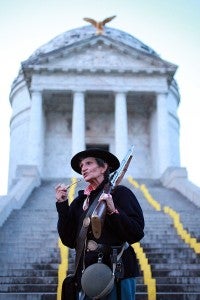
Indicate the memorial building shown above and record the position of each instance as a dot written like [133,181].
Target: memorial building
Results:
[97,86]
[85,89]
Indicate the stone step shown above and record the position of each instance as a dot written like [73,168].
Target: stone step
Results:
[29,226]
[179,288]
[169,296]
[30,251]
[26,260]
[173,255]
[172,280]
[152,260]
[37,243]
[28,280]
[28,296]
[28,235]
[25,218]
[178,266]
[53,251]
[141,288]
[176,273]
[29,222]
[35,266]
[178,280]
[157,249]
[29,272]
[28,288]
[176,244]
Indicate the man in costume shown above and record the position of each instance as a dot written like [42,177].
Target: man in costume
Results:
[123,226]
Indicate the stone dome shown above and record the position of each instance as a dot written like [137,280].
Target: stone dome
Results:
[84,33]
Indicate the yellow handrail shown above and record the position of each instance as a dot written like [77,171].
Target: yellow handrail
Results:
[178,225]
[63,266]
[149,281]
[183,233]
[64,251]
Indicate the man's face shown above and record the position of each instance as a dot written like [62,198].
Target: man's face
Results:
[91,171]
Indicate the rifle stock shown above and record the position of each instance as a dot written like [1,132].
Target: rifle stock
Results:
[97,219]
[99,213]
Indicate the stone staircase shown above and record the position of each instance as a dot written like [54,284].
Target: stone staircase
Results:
[29,254]
[175,266]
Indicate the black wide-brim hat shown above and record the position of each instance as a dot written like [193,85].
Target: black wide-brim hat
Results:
[106,156]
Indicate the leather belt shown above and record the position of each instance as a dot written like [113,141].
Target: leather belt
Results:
[94,246]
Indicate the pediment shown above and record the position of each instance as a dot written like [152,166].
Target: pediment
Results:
[98,58]
[103,54]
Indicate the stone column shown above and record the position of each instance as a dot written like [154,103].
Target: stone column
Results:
[121,125]
[78,123]
[161,145]
[36,132]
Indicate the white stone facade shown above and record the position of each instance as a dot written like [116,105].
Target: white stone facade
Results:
[86,90]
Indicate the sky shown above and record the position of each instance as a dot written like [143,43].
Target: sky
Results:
[170,27]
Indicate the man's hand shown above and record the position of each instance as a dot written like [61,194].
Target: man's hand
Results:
[109,202]
[61,192]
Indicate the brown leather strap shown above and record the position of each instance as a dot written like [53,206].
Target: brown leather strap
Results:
[80,242]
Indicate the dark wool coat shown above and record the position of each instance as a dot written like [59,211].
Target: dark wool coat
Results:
[127,226]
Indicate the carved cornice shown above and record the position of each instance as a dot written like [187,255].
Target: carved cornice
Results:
[98,55]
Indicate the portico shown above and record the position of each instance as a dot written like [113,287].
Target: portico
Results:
[98,118]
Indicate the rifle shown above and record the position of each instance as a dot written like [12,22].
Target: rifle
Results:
[99,213]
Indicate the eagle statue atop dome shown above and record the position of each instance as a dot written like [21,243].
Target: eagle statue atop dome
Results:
[99,25]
